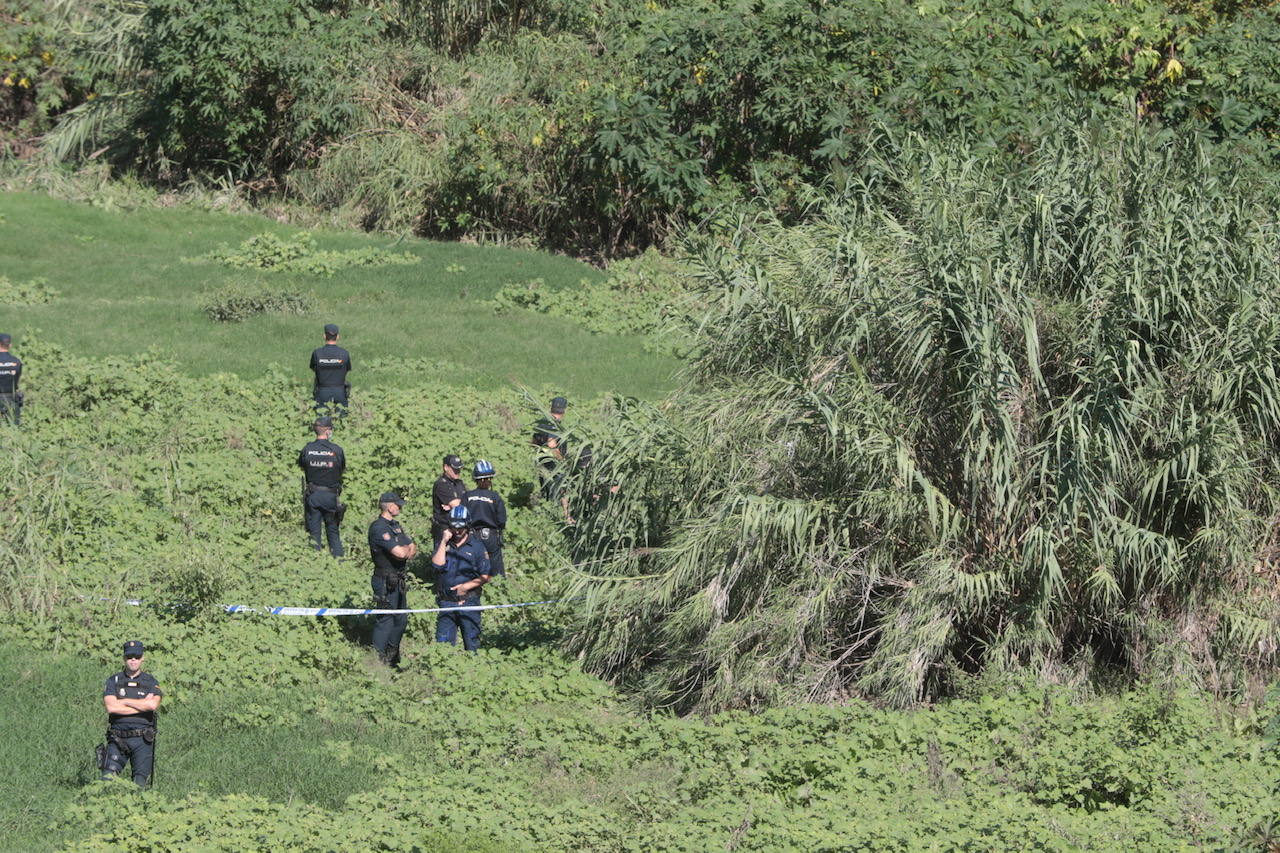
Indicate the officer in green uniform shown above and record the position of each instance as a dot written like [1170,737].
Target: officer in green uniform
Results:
[549,439]
[131,697]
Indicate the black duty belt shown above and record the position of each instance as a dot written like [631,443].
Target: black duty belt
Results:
[126,733]
[316,487]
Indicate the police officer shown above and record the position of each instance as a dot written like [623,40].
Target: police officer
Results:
[448,492]
[10,373]
[488,514]
[462,567]
[391,549]
[331,364]
[548,437]
[323,463]
[131,697]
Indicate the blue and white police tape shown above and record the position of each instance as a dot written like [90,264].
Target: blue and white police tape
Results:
[355,611]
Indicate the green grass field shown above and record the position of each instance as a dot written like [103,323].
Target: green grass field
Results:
[124,289]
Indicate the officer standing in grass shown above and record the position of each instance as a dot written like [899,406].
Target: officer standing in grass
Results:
[391,549]
[323,463]
[131,697]
[331,364]
[448,492]
[462,567]
[488,514]
[10,373]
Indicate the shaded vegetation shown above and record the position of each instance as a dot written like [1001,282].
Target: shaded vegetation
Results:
[597,128]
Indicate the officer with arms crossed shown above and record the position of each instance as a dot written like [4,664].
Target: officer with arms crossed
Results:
[10,373]
[331,364]
[391,549]
[448,492]
[462,567]
[488,515]
[131,697]
[322,463]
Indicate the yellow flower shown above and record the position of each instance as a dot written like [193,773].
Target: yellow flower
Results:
[8,81]
[537,139]
[24,83]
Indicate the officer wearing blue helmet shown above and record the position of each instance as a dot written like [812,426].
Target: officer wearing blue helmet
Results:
[462,567]
[488,514]
[131,697]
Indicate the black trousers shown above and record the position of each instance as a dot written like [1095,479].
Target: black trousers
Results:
[132,750]
[9,409]
[330,397]
[322,507]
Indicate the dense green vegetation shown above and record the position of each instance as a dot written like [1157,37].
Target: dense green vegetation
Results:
[594,128]
[997,420]
[282,733]
[957,533]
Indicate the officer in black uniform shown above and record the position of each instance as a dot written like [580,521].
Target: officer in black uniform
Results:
[331,364]
[10,373]
[391,549]
[448,492]
[488,515]
[322,463]
[548,437]
[131,697]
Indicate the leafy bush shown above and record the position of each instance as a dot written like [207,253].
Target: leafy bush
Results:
[634,299]
[299,254]
[246,85]
[34,292]
[241,300]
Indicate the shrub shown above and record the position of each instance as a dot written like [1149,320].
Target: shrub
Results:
[34,292]
[298,253]
[243,299]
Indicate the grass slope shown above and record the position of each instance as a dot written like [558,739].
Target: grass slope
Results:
[124,288]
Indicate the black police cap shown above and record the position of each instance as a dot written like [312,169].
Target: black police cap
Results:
[558,405]
[330,329]
[325,422]
[5,338]
[453,461]
[391,498]
[133,647]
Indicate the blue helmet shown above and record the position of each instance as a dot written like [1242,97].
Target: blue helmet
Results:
[483,469]
[459,517]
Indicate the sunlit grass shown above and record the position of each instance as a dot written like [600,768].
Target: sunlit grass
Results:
[124,288]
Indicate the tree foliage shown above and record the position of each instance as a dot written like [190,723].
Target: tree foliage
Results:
[963,419]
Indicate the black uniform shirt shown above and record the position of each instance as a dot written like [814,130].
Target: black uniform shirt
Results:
[330,363]
[384,535]
[445,490]
[139,686]
[10,372]
[322,462]
[486,509]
